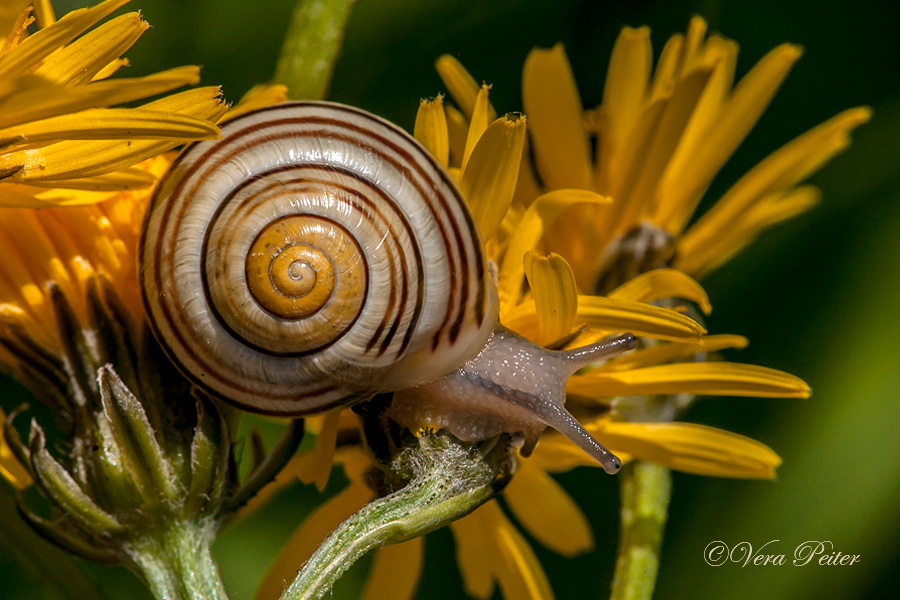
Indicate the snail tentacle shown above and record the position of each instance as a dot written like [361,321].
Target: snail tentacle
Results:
[317,255]
[512,386]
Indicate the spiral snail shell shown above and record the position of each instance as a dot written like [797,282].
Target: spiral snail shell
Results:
[316,255]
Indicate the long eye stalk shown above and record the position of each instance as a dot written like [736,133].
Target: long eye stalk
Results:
[512,386]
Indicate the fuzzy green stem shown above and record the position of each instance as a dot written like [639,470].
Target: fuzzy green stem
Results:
[646,489]
[311,47]
[176,563]
[449,480]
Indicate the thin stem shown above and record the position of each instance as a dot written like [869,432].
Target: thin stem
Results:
[176,563]
[646,489]
[311,47]
[281,453]
[450,479]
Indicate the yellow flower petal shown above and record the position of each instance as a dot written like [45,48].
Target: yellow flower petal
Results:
[553,107]
[258,96]
[638,201]
[10,13]
[307,538]
[43,10]
[14,315]
[665,353]
[81,60]
[395,572]
[617,316]
[462,86]
[111,123]
[44,41]
[746,227]
[693,166]
[544,508]
[38,98]
[776,208]
[24,230]
[527,188]
[690,448]
[520,574]
[692,50]
[54,196]
[555,296]
[66,160]
[623,174]
[10,468]
[457,131]
[790,164]
[315,466]
[722,59]
[787,166]
[125,179]
[489,181]
[666,68]
[475,553]
[431,129]
[19,272]
[706,378]
[17,199]
[624,96]
[662,283]
[537,218]
[478,123]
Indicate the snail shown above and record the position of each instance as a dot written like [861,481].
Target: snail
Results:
[316,255]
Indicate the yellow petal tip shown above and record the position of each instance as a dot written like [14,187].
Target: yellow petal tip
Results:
[635,33]
[860,114]
[514,119]
[790,52]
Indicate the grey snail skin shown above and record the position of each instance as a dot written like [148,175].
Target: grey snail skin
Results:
[316,255]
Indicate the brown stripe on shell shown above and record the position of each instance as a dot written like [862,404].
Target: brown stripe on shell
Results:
[257,347]
[464,291]
[445,211]
[395,322]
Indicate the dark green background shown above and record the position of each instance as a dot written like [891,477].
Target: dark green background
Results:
[818,297]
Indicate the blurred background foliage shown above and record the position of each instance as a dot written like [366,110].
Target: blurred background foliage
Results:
[819,297]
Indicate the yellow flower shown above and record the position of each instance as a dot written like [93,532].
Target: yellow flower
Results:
[661,137]
[73,245]
[484,156]
[57,258]
[541,299]
[65,254]
[57,125]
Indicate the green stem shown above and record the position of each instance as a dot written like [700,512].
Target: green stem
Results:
[176,563]
[450,480]
[646,489]
[311,47]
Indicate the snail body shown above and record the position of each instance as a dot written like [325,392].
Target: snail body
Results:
[316,255]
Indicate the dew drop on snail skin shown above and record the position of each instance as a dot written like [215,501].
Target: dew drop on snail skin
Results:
[511,386]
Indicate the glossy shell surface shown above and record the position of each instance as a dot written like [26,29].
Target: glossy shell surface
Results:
[312,256]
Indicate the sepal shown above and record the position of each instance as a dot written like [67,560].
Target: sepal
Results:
[65,493]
